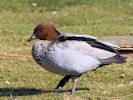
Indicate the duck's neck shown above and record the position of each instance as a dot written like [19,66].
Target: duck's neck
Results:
[54,34]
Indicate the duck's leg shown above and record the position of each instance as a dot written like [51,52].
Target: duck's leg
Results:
[74,82]
[63,81]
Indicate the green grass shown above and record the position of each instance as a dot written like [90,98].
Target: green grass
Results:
[23,79]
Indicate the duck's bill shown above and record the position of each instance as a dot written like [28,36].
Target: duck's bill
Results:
[33,37]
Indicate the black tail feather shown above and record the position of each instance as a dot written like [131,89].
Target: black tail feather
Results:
[63,81]
[116,59]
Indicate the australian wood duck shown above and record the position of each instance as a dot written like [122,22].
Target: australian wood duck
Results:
[70,55]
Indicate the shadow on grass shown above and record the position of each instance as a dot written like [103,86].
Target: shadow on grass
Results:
[30,91]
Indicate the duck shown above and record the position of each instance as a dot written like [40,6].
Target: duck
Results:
[71,55]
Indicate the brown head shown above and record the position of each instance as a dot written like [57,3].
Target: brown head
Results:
[44,32]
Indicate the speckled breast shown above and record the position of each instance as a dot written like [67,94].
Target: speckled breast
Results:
[43,56]
[39,53]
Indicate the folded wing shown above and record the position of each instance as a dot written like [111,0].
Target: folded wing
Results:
[104,51]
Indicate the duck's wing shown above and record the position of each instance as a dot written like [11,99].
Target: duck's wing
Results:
[90,40]
[110,44]
[92,37]
[91,46]
[79,35]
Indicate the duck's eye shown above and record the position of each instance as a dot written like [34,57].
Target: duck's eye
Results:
[41,30]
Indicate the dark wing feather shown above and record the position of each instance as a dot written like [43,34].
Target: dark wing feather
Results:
[100,45]
[92,42]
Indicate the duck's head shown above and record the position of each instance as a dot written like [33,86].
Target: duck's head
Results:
[44,32]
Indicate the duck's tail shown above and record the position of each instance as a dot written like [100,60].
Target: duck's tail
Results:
[115,59]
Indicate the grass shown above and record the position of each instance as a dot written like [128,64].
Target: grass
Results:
[23,79]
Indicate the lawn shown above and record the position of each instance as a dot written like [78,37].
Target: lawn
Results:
[22,79]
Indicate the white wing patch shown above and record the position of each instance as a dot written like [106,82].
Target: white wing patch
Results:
[87,49]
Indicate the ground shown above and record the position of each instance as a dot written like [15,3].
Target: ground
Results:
[21,78]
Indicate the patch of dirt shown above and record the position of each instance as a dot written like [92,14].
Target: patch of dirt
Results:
[126,52]
[125,43]
[122,41]
[14,56]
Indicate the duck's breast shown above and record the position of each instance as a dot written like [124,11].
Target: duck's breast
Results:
[38,51]
[43,54]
